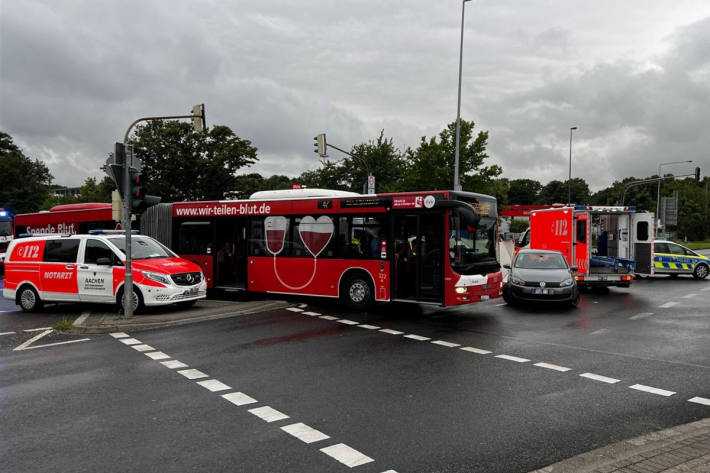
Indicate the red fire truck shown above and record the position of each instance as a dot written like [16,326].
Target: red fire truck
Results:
[68,218]
[607,244]
[437,247]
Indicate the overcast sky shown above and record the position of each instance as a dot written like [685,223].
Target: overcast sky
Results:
[633,75]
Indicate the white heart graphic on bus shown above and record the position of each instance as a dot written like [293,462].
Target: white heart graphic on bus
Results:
[316,234]
[275,228]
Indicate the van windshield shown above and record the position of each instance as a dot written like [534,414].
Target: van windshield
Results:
[143,248]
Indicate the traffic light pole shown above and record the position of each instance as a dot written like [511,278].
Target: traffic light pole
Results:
[199,123]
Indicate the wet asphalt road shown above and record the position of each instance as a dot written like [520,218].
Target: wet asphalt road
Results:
[405,403]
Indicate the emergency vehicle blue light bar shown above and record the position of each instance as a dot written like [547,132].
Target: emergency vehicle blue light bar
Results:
[3,213]
[606,208]
[111,232]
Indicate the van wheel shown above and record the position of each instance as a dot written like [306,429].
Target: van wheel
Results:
[701,271]
[357,292]
[137,301]
[29,300]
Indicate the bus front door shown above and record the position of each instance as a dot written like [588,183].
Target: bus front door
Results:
[231,254]
[417,266]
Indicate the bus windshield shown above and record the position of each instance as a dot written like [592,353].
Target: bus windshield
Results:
[143,248]
[474,250]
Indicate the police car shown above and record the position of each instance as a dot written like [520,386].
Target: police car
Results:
[672,258]
[90,268]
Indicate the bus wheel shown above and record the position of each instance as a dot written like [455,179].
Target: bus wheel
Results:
[28,299]
[136,300]
[357,292]
[701,271]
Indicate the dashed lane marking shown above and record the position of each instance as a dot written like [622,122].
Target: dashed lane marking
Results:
[214,385]
[346,455]
[597,377]
[689,296]
[391,332]
[294,309]
[312,314]
[550,366]
[446,344]
[142,347]
[192,374]
[239,399]
[6,333]
[37,329]
[600,331]
[700,400]
[512,358]
[173,364]
[305,433]
[668,305]
[157,355]
[347,322]
[649,389]
[476,350]
[118,335]
[129,341]
[417,337]
[328,317]
[642,315]
[369,327]
[268,414]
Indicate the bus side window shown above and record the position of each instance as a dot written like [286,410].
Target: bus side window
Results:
[294,243]
[257,239]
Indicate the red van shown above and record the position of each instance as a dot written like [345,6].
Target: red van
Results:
[90,268]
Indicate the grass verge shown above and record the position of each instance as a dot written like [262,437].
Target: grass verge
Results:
[63,326]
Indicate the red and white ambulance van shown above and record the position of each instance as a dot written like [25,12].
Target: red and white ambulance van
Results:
[90,268]
[607,244]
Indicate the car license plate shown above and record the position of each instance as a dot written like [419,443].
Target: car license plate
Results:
[190,292]
[541,291]
[485,298]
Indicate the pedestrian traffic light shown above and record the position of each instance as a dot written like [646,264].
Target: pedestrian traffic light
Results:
[198,117]
[320,145]
[140,200]
[697,174]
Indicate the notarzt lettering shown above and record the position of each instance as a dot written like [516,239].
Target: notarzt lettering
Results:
[57,275]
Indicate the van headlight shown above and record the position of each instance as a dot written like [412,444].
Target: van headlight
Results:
[157,277]
[566,282]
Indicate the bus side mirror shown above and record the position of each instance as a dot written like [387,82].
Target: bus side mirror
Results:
[104,261]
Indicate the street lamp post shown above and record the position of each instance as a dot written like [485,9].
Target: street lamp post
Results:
[658,192]
[457,184]
[569,177]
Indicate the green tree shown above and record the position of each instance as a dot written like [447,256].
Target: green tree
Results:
[24,183]
[524,191]
[182,164]
[432,163]
[557,192]
[247,184]
[380,158]
[330,175]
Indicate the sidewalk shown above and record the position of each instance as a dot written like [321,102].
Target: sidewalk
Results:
[170,316]
[684,448]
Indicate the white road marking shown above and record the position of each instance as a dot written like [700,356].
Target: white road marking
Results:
[389,471]
[369,327]
[512,358]
[302,305]
[239,399]
[600,331]
[649,389]
[347,322]
[642,315]
[552,367]
[706,289]
[294,309]
[268,414]
[304,433]
[346,455]
[498,305]
[597,377]
[700,400]
[6,333]
[417,337]
[328,317]
[667,305]
[129,341]
[157,355]
[37,329]
[118,334]
[173,364]
[688,296]
[192,374]
[391,332]
[57,343]
[446,344]
[32,340]
[143,347]
[80,320]
[312,314]
[8,311]
[475,350]
[213,385]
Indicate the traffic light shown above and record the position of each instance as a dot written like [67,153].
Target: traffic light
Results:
[320,145]
[198,118]
[139,199]
[697,174]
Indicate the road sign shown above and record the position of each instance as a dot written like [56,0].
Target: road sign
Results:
[669,209]
[370,184]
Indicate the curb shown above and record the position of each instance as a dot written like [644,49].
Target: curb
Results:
[84,325]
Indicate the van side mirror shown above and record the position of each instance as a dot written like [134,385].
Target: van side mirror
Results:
[104,261]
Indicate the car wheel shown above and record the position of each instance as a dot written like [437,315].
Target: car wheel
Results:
[29,300]
[136,300]
[701,271]
[357,292]
[508,296]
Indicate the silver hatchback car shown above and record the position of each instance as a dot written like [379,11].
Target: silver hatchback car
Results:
[541,275]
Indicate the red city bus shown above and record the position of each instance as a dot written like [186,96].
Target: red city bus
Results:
[437,247]
[67,218]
